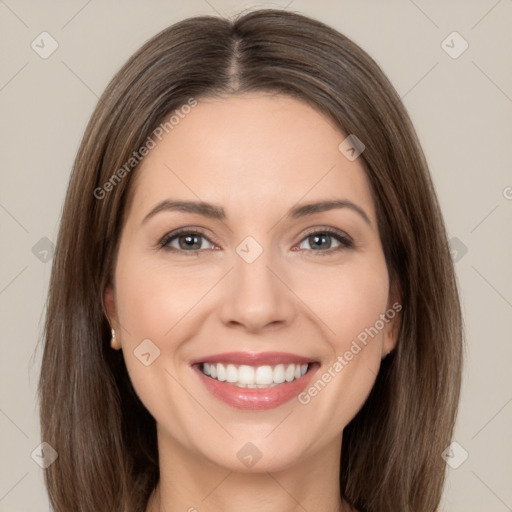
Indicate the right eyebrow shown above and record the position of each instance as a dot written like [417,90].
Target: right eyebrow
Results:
[198,207]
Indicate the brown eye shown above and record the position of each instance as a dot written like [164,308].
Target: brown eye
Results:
[187,241]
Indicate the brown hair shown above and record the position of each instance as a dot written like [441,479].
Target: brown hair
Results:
[90,413]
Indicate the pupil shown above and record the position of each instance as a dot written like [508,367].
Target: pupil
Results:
[190,241]
[319,239]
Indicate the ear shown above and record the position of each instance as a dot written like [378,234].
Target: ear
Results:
[394,318]
[109,304]
[109,308]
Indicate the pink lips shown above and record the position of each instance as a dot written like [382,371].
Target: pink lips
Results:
[255,398]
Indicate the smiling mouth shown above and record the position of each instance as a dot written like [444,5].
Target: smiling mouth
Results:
[245,376]
[255,381]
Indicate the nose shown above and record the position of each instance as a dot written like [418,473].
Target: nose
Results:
[256,296]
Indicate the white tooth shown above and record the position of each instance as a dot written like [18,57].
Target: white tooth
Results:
[245,374]
[221,372]
[231,373]
[264,375]
[259,377]
[279,375]
[290,372]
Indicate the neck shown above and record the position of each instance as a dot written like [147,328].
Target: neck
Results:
[193,484]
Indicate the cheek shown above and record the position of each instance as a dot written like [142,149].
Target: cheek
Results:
[151,302]
[350,301]
[347,299]
[152,298]
[158,303]
[356,299]
[357,304]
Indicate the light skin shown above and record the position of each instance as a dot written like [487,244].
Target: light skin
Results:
[257,156]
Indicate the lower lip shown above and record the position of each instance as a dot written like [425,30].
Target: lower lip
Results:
[256,398]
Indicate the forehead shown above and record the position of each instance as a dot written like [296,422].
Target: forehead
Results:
[250,150]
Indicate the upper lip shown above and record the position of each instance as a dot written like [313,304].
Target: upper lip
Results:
[254,359]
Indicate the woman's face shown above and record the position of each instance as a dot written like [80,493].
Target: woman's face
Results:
[257,285]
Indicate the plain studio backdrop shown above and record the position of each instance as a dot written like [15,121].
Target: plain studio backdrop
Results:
[450,63]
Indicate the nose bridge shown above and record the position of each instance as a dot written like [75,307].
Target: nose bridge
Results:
[255,297]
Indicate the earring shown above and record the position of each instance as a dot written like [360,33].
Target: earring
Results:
[113,343]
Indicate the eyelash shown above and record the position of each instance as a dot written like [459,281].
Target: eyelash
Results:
[345,242]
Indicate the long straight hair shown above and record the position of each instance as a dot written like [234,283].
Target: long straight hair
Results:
[90,414]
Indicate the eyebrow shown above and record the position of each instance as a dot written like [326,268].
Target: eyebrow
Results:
[217,212]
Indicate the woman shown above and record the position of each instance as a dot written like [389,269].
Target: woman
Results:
[252,302]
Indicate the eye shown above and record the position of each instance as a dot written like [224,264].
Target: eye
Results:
[186,240]
[327,240]
[192,241]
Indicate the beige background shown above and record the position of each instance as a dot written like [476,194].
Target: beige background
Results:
[461,107]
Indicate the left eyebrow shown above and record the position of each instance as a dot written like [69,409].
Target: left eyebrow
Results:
[322,206]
